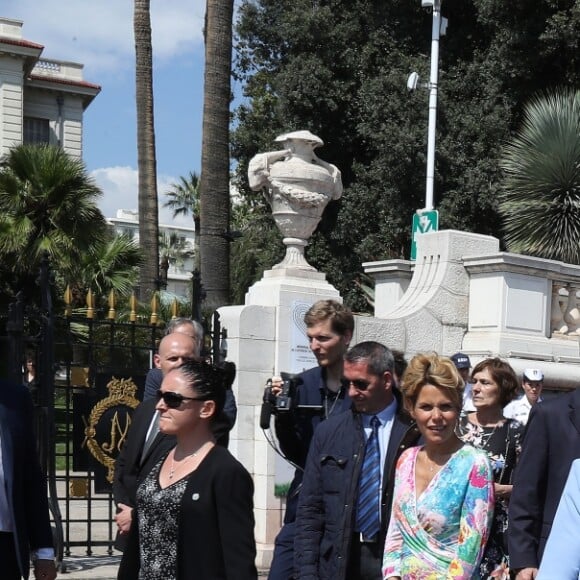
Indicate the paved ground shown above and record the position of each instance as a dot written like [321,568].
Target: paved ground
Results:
[98,567]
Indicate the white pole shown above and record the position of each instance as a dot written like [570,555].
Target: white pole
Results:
[433,79]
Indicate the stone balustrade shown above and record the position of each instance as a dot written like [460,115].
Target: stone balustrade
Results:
[522,308]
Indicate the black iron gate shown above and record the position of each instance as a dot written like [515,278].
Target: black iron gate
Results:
[91,365]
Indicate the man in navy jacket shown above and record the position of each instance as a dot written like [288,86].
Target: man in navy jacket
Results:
[24,518]
[329,326]
[551,443]
[329,544]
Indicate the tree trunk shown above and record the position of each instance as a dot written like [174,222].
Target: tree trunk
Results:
[215,155]
[148,211]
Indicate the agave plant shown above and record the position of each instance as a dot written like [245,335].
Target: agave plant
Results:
[540,204]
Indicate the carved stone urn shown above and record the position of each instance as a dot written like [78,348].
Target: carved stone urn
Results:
[298,186]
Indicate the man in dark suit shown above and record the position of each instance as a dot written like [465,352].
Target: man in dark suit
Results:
[353,456]
[551,443]
[145,445]
[24,517]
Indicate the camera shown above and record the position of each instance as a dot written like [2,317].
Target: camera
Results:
[283,401]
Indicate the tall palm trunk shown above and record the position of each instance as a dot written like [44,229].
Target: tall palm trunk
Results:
[215,157]
[148,211]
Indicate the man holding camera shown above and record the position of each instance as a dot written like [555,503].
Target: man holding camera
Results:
[330,327]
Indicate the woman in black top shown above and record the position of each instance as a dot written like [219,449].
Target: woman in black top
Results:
[494,385]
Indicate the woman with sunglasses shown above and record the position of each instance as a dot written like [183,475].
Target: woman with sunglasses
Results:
[195,508]
[443,498]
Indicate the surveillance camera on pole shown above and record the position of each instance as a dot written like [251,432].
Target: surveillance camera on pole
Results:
[413,81]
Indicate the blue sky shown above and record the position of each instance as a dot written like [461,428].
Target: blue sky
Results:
[99,34]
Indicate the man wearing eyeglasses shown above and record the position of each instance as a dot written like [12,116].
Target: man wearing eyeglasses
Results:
[353,456]
[145,445]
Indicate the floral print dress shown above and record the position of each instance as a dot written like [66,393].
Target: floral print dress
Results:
[440,534]
[502,444]
[158,510]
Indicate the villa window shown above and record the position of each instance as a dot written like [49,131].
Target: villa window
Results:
[36,130]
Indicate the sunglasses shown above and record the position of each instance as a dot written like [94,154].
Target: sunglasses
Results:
[174,400]
[358,384]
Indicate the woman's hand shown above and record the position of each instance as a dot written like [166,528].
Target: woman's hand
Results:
[502,491]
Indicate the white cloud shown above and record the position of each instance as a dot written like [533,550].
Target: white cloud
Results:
[99,33]
[119,186]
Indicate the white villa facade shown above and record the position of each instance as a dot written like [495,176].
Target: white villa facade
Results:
[41,100]
[180,254]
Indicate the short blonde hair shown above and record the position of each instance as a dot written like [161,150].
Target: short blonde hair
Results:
[341,318]
[431,369]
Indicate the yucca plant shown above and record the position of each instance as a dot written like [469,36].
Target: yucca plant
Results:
[540,204]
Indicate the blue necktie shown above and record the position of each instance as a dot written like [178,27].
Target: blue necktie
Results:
[369,488]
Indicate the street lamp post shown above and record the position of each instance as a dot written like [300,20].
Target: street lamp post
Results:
[433,80]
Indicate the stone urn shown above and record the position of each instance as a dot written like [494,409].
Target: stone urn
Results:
[298,186]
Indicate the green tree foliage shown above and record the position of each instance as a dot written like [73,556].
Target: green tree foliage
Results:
[339,69]
[110,264]
[183,199]
[541,201]
[48,204]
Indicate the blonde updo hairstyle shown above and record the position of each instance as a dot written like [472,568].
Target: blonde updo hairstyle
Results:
[431,369]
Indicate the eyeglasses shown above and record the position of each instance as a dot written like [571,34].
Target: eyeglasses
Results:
[358,384]
[174,400]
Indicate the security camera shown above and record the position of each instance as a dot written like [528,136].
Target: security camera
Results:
[413,81]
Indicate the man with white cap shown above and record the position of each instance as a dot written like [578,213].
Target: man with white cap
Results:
[532,385]
[463,366]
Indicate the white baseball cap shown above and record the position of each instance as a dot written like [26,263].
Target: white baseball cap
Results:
[533,375]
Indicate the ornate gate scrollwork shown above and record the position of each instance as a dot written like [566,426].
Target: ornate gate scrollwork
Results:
[109,423]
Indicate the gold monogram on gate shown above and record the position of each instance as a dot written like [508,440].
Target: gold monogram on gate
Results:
[105,448]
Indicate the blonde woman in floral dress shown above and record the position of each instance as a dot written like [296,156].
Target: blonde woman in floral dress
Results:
[443,498]
[494,385]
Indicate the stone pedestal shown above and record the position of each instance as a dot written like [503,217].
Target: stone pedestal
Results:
[260,343]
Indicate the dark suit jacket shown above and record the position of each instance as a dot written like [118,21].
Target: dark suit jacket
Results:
[130,463]
[24,481]
[216,524]
[327,503]
[551,443]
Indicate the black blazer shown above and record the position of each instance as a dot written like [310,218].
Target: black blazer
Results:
[24,482]
[551,443]
[130,464]
[216,524]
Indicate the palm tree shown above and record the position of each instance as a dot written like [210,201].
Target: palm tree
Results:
[111,264]
[184,196]
[147,164]
[47,204]
[215,156]
[540,205]
[184,200]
